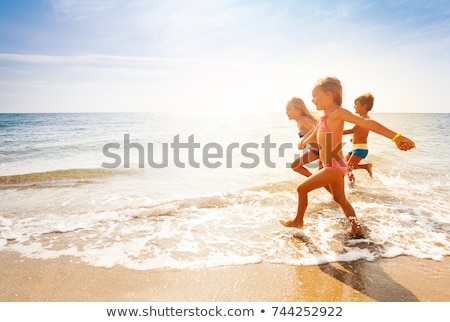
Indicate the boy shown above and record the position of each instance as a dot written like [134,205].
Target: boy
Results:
[363,104]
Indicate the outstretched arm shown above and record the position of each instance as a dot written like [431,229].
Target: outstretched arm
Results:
[402,142]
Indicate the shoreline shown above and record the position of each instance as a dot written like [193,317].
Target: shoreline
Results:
[399,279]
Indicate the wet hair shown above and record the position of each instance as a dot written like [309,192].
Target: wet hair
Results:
[299,105]
[333,85]
[367,100]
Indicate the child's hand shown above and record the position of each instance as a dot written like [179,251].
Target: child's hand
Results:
[301,145]
[404,144]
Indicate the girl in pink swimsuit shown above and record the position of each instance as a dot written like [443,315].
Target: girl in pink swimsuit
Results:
[338,163]
[327,96]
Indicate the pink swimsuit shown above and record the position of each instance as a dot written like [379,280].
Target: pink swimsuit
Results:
[322,127]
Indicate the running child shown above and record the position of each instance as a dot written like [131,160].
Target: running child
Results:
[296,110]
[360,150]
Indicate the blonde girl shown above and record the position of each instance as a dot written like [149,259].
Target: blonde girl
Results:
[296,110]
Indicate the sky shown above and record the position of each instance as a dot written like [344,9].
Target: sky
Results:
[221,56]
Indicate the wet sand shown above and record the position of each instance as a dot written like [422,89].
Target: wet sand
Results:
[400,279]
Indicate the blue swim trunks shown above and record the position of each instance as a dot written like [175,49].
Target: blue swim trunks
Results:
[362,153]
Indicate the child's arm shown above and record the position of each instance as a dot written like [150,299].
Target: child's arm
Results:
[349,131]
[402,142]
[309,137]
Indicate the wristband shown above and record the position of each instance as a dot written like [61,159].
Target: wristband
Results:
[399,134]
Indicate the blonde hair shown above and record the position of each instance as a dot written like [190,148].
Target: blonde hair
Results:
[299,105]
[333,85]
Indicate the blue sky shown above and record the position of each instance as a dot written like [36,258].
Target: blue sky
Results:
[219,56]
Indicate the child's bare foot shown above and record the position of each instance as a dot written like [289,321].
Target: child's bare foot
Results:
[359,233]
[351,178]
[291,223]
[357,229]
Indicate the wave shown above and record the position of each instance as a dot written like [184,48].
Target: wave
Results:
[56,178]
[279,195]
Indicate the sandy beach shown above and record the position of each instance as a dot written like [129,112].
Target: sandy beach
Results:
[400,279]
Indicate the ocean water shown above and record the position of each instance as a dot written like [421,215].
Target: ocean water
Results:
[184,191]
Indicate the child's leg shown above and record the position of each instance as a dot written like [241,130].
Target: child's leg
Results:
[338,191]
[308,157]
[322,178]
[298,165]
[353,161]
[365,166]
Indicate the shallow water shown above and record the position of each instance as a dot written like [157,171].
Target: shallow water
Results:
[58,197]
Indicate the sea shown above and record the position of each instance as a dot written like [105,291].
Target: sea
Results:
[193,190]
